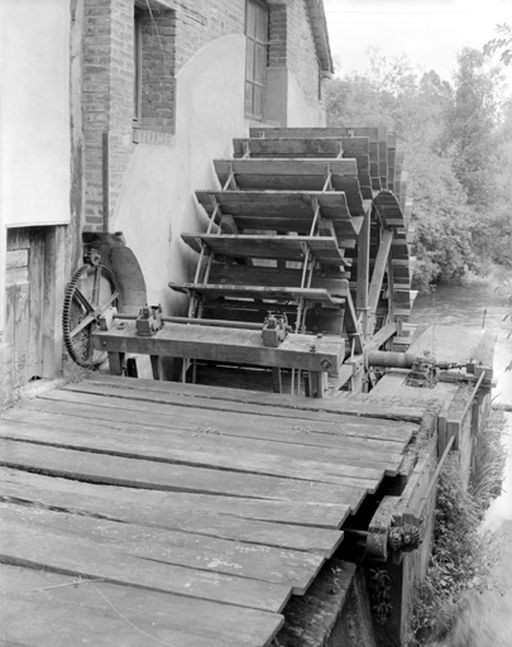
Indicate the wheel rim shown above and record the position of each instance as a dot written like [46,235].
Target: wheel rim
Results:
[92,290]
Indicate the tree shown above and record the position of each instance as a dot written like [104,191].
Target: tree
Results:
[416,109]
[502,43]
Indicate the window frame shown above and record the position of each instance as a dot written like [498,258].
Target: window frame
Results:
[254,43]
[137,65]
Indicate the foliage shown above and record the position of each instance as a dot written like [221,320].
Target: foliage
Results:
[501,43]
[462,557]
[457,141]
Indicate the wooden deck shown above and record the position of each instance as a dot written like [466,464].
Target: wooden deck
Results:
[141,513]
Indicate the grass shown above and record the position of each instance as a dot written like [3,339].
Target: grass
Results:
[462,558]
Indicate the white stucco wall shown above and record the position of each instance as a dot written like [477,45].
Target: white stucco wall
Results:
[299,111]
[34,112]
[157,200]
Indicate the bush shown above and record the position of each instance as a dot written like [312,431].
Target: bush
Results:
[462,558]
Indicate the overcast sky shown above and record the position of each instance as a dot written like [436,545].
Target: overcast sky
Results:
[430,32]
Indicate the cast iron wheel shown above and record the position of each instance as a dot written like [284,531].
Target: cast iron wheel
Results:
[92,290]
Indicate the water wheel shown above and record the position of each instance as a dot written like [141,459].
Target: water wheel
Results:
[308,223]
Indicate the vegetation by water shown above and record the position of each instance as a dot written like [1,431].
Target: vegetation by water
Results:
[462,558]
[457,139]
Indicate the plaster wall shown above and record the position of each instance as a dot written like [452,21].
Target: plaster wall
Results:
[300,111]
[34,112]
[157,201]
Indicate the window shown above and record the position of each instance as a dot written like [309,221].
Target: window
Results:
[154,67]
[137,65]
[256,31]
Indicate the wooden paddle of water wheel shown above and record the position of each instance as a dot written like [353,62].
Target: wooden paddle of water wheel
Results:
[303,268]
[307,226]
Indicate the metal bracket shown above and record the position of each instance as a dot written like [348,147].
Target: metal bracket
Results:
[275,329]
[149,321]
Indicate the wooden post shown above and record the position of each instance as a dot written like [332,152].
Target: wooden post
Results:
[105,172]
[116,363]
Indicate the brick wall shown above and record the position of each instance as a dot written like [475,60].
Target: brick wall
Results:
[184,27]
[302,57]
[278,37]
[108,81]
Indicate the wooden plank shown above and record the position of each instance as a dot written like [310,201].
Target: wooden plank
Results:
[281,210]
[16,258]
[25,545]
[237,274]
[216,450]
[325,515]
[324,248]
[115,470]
[65,610]
[289,439]
[259,292]
[316,131]
[345,411]
[157,509]
[363,264]
[225,344]
[301,147]
[324,426]
[381,336]
[293,168]
[267,563]
[379,269]
[283,204]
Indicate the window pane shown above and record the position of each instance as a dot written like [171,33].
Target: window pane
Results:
[262,24]
[250,18]
[260,63]
[257,101]
[248,98]
[249,59]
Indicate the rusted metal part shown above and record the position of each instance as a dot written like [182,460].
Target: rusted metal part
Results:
[275,329]
[392,531]
[423,372]
[149,321]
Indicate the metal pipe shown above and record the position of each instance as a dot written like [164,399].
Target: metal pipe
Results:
[390,359]
[219,323]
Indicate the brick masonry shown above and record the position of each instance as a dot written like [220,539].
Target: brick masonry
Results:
[184,27]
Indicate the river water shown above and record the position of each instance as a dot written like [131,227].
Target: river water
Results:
[480,304]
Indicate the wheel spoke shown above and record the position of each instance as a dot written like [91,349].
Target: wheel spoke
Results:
[87,321]
[95,297]
[84,302]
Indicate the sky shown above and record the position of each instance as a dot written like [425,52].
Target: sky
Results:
[429,32]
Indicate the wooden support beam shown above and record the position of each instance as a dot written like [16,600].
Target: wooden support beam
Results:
[380,267]
[306,352]
[363,264]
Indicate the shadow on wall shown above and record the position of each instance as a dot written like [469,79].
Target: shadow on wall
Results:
[157,200]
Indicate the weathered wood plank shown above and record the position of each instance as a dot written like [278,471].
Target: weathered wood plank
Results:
[282,210]
[343,411]
[65,610]
[153,508]
[301,147]
[286,424]
[260,292]
[225,344]
[116,470]
[286,205]
[379,270]
[288,167]
[196,445]
[24,545]
[266,563]
[212,450]
[255,275]
[324,248]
